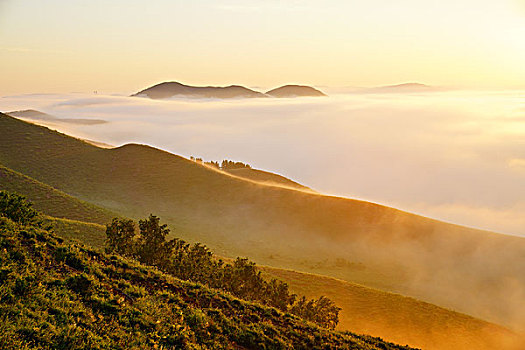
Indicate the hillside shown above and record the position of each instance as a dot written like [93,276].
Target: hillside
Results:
[173,89]
[62,296]
[295,91]
[52,201]
[31,114]
[472,271]
[365,310]
[35,115]
[266,177]
[398,318]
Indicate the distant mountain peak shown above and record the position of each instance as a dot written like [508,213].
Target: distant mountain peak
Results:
[174,89]
[408,85]
[403,87]
[171,89]
[295,91]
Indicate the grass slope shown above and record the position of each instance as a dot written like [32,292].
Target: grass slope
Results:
[61,296]
[88,233]
[397,318]
[52,201]
[364,310]
[473,271]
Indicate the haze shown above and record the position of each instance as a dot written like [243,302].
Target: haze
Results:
[457,156]
[123,46]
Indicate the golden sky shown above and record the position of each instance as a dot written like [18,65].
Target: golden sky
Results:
[123,46]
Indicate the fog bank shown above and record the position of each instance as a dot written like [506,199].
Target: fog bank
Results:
[455,156]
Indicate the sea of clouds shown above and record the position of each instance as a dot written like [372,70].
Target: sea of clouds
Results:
[457,156]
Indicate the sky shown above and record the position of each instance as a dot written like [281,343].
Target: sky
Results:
[122,46]
[457,156]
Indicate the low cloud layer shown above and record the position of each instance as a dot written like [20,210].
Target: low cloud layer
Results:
[455,156]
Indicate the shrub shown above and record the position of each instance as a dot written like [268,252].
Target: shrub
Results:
[80,284]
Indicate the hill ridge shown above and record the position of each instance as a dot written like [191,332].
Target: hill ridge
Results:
[170,89]
[173,88]
[293,90]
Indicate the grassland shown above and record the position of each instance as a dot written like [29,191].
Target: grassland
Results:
[364,310]
[398,318]
[52,201]
[476,272]
[65,296]
[78,231]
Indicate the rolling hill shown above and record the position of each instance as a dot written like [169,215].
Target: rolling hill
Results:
[364,310]
[51,201]
[66,296]
[295,91]
[35,115]
[398,318]
[472,271]
[173,89]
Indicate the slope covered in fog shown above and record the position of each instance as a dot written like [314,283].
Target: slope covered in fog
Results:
[472,271]
[365,310]
[399,318]
[60,295]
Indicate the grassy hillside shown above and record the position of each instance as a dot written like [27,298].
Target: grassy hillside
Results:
[473,271]
[365,310]
[398,318]
[79,231]
[62,296]
[52,201]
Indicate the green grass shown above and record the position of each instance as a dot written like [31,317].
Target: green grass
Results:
[66,296]
[79,231]
[476,272]
[52,201]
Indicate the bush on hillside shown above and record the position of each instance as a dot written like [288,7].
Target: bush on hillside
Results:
[196,263]
[55,295]
[16,208]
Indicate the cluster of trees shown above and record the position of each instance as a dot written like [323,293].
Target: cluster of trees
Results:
[224,165]
[196,263]
[231,165]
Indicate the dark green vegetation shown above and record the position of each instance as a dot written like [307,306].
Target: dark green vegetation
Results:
[225,164]
[197,264]
[474,271]
[65,296]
